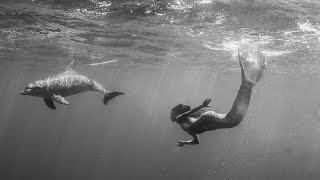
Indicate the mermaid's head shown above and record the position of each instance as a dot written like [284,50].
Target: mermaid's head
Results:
[177,110]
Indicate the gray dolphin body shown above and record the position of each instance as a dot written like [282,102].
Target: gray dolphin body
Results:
[68,83]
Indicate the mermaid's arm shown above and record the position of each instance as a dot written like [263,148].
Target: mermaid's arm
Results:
[203,105]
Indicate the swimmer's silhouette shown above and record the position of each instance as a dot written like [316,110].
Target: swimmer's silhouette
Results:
[197,120]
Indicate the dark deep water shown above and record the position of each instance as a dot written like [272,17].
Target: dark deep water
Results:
[168,52]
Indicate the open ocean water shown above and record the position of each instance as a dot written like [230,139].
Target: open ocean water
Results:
[168,52]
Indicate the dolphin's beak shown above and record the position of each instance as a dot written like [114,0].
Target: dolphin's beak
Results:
[24,92]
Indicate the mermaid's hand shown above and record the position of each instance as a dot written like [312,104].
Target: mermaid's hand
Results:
[206,102]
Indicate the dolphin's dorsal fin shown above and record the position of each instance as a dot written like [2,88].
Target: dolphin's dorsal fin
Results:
[71,66]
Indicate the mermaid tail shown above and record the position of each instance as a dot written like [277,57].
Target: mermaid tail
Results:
[253,65]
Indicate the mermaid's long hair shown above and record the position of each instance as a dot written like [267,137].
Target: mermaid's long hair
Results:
[182,108]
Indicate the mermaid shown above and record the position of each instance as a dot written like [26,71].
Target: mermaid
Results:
[197,120]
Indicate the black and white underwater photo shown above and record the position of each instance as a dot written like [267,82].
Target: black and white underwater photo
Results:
[159,89]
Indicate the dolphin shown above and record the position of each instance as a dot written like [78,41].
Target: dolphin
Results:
[68,83]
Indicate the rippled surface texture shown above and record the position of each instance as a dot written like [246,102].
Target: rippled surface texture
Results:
[168,52]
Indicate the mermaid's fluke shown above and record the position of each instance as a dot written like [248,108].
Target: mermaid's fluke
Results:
[253,65]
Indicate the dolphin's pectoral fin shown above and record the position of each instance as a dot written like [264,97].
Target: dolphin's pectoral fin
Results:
[49,103]
[60,99]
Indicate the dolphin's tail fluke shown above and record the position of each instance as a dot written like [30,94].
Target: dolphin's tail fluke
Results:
[111,95]
[253,65]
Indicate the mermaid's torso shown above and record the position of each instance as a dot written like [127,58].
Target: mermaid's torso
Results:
[190,125]
[206,122]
